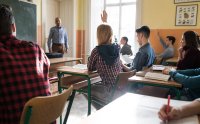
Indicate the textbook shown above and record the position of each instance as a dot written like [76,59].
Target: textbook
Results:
[157,76]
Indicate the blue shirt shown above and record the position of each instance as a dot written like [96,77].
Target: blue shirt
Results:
[58,35]
[144,57]
[190,79]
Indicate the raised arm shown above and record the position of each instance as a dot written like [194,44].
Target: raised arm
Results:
[104,16]
[161,41]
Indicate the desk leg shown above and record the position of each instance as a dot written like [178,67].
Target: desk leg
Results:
[178,94]
[59,74]
[89,95]
[71,99]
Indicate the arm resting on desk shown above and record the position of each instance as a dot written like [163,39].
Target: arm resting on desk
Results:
[187,81]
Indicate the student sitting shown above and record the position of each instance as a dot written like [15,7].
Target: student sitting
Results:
[189,79]
[145,56]
[168,47]
[105,59]
[126,49]
[180,112]
[189,55]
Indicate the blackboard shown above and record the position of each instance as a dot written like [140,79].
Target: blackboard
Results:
[25,19]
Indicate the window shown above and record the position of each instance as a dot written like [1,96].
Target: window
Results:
[122,17]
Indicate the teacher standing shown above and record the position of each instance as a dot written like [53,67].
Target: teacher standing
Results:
[58,39]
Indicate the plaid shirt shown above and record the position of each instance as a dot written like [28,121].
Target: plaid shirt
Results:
[23,75]
[107,73]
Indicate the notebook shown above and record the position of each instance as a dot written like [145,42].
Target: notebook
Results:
[158,67]
[157,76]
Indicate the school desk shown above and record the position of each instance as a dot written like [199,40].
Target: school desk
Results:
[87,75]
[135,109]
[56,62]
[163,84]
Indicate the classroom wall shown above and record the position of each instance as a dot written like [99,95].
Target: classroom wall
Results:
[81,17]
[39,21]
[159,15]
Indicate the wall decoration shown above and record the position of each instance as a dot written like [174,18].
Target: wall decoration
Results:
[185,1]
[186,15]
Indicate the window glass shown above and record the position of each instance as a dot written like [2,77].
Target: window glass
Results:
[113,19]
[128,15]
[112,1]
[126,1]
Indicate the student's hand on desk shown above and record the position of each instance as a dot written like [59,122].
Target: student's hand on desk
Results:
[174,113]
[166,71]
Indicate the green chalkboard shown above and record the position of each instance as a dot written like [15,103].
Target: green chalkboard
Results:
[25,18]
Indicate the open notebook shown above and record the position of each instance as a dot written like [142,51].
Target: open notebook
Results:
[157,76]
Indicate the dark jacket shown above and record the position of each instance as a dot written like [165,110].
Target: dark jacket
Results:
[126,50]
[109,53]
[191,59]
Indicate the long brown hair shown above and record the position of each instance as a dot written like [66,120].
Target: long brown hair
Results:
[104,34]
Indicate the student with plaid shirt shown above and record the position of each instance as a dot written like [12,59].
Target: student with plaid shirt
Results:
[23,70]
[106,60]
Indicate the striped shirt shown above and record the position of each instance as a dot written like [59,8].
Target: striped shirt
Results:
[23,75]
[58,35]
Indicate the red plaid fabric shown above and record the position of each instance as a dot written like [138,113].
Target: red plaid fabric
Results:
[107,73]
[23,75]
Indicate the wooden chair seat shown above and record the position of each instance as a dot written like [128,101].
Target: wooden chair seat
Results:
[44,109]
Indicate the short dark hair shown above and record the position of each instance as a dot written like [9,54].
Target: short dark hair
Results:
[171,38]
[145,30]
[6,19]
[125,38]
[191,38]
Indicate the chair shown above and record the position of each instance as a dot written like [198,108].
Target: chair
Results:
[44,109]
[120,87]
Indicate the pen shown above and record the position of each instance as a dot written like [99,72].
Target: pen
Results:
[168,106]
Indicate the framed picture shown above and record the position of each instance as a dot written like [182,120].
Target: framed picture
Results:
[185,1]
[186,15]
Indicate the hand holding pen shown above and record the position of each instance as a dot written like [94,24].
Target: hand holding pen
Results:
[168,112]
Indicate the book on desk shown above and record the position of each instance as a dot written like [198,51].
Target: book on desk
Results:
[153,75]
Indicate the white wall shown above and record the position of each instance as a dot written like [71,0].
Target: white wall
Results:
[67,16]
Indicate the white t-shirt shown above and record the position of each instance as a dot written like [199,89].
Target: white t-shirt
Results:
[198,99]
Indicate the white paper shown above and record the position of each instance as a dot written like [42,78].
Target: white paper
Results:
[80,66]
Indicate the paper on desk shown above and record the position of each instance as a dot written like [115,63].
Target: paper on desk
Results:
[145,115]
[80,66]
[125,59]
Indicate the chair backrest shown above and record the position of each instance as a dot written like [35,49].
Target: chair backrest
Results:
[121,82]
[45,109]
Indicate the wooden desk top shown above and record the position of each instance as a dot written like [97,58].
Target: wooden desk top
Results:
[64,59]
[133,109]
[70,69]
[150,81]
[172,60]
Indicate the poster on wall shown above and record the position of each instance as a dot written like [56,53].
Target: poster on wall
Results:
[186,15]
[185,1]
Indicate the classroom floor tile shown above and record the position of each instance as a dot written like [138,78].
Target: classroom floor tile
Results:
[78,110]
